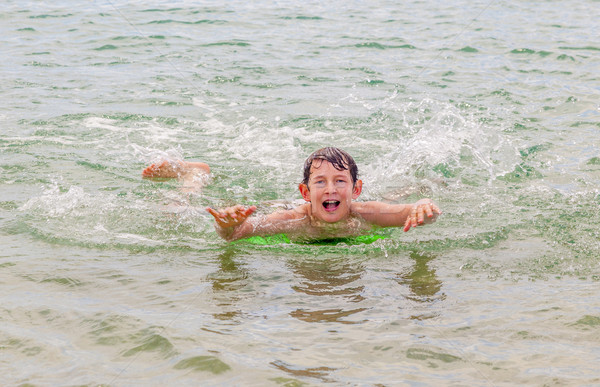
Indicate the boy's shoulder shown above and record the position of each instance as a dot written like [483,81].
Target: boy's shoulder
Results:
[302,210]
[297,212]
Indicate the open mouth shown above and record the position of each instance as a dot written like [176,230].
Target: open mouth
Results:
[331,205]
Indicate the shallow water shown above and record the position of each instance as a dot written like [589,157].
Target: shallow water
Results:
[490,108]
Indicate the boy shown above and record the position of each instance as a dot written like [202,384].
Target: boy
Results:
[329,187]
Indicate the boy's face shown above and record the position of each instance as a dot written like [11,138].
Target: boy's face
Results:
[330,191]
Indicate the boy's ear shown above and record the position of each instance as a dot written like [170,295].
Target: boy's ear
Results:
[304,191]
[357,189]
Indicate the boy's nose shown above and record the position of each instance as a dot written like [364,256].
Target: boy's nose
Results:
[331,188]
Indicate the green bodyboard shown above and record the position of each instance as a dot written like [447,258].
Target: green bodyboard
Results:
[283,239]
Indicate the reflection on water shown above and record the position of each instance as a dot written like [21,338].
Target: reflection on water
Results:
[314,372]
[330,278]
[502,132]
[226,285]
[422,282]
[326,315]
[345,282]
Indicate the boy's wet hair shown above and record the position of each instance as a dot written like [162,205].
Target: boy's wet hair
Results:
[340,160]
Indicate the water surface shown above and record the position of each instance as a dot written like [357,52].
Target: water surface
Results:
[489,108]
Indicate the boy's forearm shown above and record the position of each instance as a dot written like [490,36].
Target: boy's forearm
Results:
[278,222]
[386,215]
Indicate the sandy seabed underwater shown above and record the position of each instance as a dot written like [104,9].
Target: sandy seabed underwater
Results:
[491,108]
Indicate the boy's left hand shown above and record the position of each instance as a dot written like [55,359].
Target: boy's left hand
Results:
[423,212]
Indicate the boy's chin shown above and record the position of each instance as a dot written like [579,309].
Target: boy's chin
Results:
[331,217]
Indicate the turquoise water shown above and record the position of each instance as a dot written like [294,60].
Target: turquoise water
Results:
[491,108]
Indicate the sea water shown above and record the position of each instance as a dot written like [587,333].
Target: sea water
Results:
[491,108]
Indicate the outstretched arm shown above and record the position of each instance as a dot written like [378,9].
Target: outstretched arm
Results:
[235,222]
[424,211]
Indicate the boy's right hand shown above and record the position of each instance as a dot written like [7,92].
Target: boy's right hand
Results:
[231,216]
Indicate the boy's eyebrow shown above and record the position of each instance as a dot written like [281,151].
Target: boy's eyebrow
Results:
[336,175]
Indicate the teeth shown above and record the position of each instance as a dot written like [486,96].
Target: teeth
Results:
[330,204]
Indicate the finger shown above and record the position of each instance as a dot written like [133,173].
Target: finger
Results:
[420,216]
[429,210]
[249,211]
[232,212]
[413,220]
[221,217]
[240,211]
[413,216]
[407,225]
[213,212]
